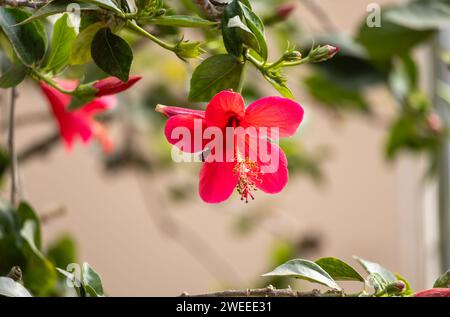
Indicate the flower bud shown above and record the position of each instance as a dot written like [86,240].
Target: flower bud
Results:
[323,53]
[434,292]
[435,123]
[113,85]
[292,56]
[285,10]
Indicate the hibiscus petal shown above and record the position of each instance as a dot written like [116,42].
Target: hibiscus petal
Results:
[222,107]
[98,105]
[186,132]
[274,112]
[170,111]
[217,181]
[271,161]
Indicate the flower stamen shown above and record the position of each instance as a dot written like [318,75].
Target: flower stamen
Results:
[248,173]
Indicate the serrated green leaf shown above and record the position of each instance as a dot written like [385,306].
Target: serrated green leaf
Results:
[339,270]
[29,41]
[305,270]
[61,45]
[112,54]
[217,73]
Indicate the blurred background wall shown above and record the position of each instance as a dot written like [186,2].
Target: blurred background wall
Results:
[365,206]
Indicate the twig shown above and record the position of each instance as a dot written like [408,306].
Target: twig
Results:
[24,3]
[269,291]
[40,147]
[12,147]
[321,15]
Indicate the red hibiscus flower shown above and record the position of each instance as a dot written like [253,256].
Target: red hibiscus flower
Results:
[80,123]
[246,169]
[434,292]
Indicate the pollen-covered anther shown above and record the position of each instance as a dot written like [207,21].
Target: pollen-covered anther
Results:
[248,173]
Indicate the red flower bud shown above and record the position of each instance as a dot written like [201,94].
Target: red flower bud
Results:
[434,292]
[285,10]
[113,85]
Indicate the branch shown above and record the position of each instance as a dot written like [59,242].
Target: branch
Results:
[23,3]
[269,291]
[40,147]
[12,147]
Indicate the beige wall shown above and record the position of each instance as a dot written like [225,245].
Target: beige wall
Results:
[358,211]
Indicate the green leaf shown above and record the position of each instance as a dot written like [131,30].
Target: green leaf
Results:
[26,213]
[12,74]
[217,73]
[29,41]
[92,281]
[389,40]
[256,26]
[182,21]
[375,268]
[62,252]
[421,14]
[280,86]
[231,35]
[81,47]
[105,4]
[305,270]
[335,96]
[56,7]
[443,281]
[11,288]
[60,48]
[339,270]
[112,54]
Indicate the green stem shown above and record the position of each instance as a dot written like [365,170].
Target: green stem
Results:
[296,63]
[133,26]
[257,63]
[50,82]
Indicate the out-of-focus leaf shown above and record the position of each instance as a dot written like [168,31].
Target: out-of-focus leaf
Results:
[112,54]
[217,73]
[339,270]
[81,47]
[11,288]
[61,45]
[12,74]
[421,14]
[4,163]
[390,40]
[26,213]
[306,270]
[443,281]
[56,7]
[335,96]
[62,251]
[29,41]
